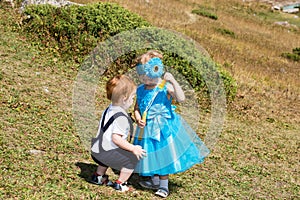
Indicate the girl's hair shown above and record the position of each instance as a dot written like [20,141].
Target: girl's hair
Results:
[148,55]
[118,87]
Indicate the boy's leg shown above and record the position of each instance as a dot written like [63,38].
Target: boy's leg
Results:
[121,183]
[99,177]
[101,170]
[125,174]
[124,161]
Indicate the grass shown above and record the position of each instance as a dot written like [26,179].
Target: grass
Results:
[204,12]
[256,156]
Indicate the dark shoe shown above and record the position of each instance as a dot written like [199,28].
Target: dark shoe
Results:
[122,187]
[100,180]
[148,185]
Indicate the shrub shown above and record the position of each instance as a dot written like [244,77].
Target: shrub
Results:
[180,54]
[295,55]
[297,51]
[75,30]
[226,32]
[205,13]
[200,78]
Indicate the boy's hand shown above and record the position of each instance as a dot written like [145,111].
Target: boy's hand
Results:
[138,151]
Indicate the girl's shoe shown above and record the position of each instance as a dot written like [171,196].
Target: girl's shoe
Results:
[162,192]
[148,184]
[100,180]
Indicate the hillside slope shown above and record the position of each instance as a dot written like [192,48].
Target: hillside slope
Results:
[257,154]
[252,56]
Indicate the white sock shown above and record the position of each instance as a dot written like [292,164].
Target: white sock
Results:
[164,183]
[155,180]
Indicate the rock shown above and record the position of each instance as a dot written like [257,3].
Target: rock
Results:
[58,3]
[285,23]
[35,151]
[276,7]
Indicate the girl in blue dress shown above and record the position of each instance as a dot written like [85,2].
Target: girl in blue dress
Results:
[171,144]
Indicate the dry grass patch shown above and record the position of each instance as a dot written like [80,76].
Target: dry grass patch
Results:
[257,152]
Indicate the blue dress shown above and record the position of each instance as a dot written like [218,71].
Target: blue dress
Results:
[171,144]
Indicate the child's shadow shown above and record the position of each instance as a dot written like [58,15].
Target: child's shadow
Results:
[87,169]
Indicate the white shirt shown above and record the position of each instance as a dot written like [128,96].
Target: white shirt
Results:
[119,126]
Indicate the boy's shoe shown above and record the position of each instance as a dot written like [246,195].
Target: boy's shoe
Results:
[148,185]
[100,180]
[122,187]
[162,192]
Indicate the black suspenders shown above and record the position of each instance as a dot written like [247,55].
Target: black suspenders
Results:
[103,127]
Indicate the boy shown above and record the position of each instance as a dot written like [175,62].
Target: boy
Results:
[110,148]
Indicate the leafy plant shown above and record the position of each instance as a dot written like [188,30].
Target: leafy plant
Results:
[180,54]
[295,55]
[73,31]
[205,13]
[226,32]
[255,157]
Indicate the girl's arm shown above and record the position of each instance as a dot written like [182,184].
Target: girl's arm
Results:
[138,116]
[176,92]
[124,144]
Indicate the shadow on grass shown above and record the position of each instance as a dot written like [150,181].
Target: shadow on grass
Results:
[87,169]
[135,178]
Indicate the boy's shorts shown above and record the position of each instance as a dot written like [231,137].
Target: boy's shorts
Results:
[116,159]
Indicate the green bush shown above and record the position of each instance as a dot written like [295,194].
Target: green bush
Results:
[181,54]
[226,32]
[295,55]
[297,51]
[205,13]
[200,78]
[75,30]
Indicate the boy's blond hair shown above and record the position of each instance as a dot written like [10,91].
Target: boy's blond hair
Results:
[119,87]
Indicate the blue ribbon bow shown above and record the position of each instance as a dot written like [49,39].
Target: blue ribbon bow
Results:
[159,115]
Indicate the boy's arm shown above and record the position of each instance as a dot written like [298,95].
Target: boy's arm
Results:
[124,144]
[120,142]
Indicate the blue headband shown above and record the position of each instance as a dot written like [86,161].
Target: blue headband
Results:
[154,68]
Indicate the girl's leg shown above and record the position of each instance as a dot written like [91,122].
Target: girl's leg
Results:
[163,190]
[164,182]
[152,183]
[155,180]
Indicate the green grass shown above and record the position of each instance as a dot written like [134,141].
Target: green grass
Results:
[205,12]
[256,156]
